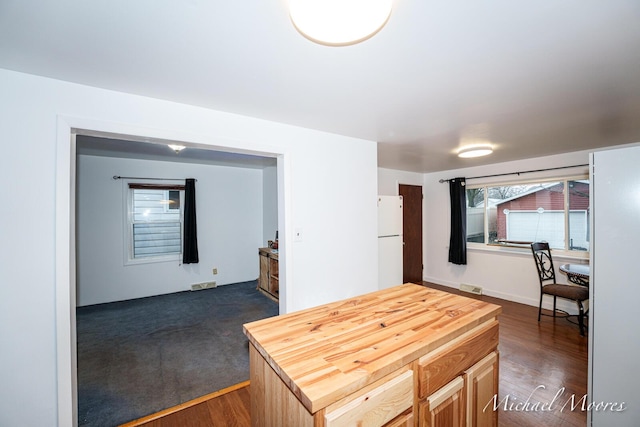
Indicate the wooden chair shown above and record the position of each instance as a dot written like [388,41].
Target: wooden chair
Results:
[548,285]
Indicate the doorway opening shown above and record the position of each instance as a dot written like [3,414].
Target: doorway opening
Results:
[66,266]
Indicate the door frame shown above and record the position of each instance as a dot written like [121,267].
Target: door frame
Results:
[65,230]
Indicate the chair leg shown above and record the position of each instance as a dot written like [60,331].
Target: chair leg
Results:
[540,307]
[554,306]
[581,317]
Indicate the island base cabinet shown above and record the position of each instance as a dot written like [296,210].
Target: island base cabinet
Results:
[272,402]
[406,356]
[388,402]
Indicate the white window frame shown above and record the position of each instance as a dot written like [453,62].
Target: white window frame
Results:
[128,222]
[566,251]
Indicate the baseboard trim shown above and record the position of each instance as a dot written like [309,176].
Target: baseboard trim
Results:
[547,304]
[185,405]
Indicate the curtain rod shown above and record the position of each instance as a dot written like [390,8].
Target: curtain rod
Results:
[517,173]
[155,179]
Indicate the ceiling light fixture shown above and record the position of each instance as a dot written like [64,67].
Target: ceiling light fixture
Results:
[339,22]
[177,148]
[475,151]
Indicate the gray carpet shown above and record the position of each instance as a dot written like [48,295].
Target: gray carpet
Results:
[140,356]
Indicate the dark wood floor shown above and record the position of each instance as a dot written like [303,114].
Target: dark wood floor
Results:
[540,363]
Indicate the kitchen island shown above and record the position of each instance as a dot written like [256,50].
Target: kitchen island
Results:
[403,356]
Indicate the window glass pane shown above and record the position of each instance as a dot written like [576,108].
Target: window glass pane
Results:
[527,213]
[579,234]
[475,215]
[174,200]
[156,238]
[149,205]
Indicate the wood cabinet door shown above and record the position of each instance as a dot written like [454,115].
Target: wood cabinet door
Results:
[481,383]
[273,267]
[446,407]
[274,281]
[274,286]
[263,280]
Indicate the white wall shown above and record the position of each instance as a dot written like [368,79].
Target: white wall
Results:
[335,208]
[389,180]
[503,272]
[229,213]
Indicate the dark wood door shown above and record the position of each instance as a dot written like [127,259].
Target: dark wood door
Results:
[412,230]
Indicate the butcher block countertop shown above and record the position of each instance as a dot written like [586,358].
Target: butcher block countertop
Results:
[327,352]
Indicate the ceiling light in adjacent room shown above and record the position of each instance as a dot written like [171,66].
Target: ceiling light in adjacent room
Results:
[475,151]
[339,22]
[176,148]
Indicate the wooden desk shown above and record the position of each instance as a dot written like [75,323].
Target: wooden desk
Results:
[390,356]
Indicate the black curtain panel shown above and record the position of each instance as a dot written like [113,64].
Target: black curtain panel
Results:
[190,238]
[458,239]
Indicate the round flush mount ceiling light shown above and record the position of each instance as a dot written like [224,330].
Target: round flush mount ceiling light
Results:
[339,22]
[475,151]
[177,148]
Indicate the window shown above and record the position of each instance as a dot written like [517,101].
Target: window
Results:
[155,222]
[556,212]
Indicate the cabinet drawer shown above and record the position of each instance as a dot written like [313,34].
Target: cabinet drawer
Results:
[439,367]
[376,406]
[404,420]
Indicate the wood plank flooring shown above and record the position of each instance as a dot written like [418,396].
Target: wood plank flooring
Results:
[540,363]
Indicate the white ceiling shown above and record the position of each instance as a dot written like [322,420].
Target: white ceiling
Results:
[534,78]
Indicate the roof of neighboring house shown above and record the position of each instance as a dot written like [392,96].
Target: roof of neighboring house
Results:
[537,188]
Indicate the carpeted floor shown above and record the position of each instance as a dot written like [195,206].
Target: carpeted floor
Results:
[140,356]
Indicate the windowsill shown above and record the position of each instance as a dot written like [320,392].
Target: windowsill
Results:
[151,260]
[522,250]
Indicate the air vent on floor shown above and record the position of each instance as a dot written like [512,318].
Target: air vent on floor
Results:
[477,290]
[201,286]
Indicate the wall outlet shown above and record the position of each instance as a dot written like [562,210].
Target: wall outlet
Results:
[215,271]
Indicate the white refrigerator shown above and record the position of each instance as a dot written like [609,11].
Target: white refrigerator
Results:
[390,241]
[614,345]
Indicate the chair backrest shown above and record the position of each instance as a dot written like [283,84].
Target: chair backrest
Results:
[544,262]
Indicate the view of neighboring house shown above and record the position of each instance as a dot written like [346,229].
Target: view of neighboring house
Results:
[529,213]
[538,214]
